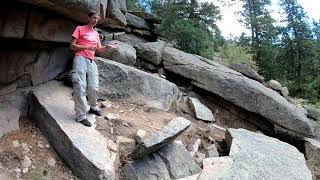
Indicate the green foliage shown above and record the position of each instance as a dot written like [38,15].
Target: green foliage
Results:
[235,54]
[190,25]
[134,5]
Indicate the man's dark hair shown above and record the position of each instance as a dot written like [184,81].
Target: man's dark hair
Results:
[91,13]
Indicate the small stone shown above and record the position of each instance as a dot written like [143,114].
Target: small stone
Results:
[15,143]
[140,135]
[195,147]
[30,147]
[24,145]
[51,162]
[47,145]
[199,157]
[126,124]
[106,104]
[25,170]
[111,130]
[110,124]
[121,111]
[211,151]
[33,167]
[130,110]
[110,116]
[40,145]
[18,170]
[112,146]
[26,163]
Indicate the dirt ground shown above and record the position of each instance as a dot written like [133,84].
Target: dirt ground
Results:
[44,161]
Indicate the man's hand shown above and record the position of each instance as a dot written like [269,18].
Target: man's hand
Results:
[113,45]
[91,48]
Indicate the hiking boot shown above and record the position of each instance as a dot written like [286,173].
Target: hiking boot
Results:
[85,122]
[97,112]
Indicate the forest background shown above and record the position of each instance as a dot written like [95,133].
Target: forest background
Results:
[287,51]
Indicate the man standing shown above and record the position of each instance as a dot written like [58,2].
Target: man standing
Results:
[85,41]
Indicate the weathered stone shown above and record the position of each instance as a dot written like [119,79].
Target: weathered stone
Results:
[193,177]
[217,132]
[74,9]
[199,157]
[50,64]
[137,22]
[140,135]
[247,71]
[178,160]
[143,32]
[9,114]
[129,38]
[115,18]
[149,167]
[84,149]
[195,147]
[211,151]
[147,16]
[253,155]
[216,168]
[151,52]
[51,162]
[47,27]
[275,85]
[285,92]
[8,89]
[146,65]
[124,54]
[201,111]
[13,21]
[161,138]
[121,81]
[126,145]
[312,149]
[122,5]
[238,89]
[26,163]
[313,112]
[312,154]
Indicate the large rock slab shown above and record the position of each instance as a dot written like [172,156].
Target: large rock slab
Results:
[137,22]
[121,81]
[238,89]
[151,52]
[84,149]
[150,167]
[255,156]
[247,71]
[48,27]
[161,138]
[74,9]
[13,20]
[179,161]
[201,111]
[124,54]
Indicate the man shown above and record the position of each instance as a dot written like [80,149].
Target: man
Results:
[85,41]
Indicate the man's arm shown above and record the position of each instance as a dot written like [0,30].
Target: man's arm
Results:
[76,47]
[105,48]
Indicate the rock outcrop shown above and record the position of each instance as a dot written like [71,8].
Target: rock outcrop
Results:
[238,89]
[121,81]
[252,156]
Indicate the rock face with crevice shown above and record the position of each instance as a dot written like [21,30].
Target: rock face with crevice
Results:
[238,89]
[256,156]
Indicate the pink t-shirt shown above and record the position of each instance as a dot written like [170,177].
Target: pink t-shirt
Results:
[87,37]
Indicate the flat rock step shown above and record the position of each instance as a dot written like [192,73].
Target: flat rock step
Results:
[84,149]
